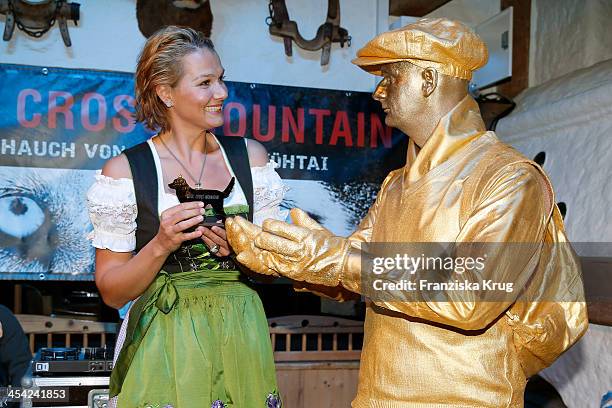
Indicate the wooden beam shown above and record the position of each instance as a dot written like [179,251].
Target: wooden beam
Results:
[520,47]
[17,301]
[47,324]
[414,8]
[596,274]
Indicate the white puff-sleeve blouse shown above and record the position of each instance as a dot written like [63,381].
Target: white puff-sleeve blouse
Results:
[112,207]
[112,210]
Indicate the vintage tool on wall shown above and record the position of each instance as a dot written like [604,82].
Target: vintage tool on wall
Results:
[329,32]
[35,18]
[155,14]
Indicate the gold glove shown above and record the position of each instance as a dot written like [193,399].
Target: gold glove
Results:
[241,237]
[302,219]
[295,251]
[302,254]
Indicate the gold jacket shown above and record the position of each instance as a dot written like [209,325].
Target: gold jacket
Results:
[464,185]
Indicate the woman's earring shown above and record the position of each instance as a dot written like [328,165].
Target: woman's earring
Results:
[169,104]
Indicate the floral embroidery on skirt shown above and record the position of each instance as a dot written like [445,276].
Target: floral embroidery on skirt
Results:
[274,400]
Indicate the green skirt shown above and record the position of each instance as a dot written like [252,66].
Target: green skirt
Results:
[196,339]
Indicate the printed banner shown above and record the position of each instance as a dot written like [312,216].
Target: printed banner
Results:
[57,126]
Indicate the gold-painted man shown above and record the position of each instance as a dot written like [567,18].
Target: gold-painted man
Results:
[460,184]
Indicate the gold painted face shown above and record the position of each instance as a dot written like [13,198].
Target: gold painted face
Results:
[415,99]
[400,94]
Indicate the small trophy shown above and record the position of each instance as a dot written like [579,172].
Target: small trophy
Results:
[212,198]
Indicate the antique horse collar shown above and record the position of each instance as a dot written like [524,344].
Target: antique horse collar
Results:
[327,33]
[36,18]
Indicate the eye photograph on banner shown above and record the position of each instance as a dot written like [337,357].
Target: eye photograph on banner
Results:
[291,203]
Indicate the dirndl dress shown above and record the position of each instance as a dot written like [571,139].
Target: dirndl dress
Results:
[198,336]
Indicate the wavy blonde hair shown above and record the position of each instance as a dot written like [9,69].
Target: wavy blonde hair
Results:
[157,65]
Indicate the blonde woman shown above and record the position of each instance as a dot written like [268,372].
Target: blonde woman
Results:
[196,335]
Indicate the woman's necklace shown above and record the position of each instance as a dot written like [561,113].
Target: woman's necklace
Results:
[199,179]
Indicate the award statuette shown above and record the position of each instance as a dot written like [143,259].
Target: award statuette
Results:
[212,199]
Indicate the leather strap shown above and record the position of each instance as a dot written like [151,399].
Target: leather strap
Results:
[238,157]
[144,176]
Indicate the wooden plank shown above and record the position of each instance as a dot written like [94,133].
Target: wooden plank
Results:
[316,365]
[330,388]
[415,8]
[300,330]
[17,302]
[46,324]
[521,32]
[304,386]
[291,387]
[304,321]
[317,355]
[596,273]
[600,313]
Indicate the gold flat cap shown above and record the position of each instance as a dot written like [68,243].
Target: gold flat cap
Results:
[451,47]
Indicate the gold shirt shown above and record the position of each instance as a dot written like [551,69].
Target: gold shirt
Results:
[466,186]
